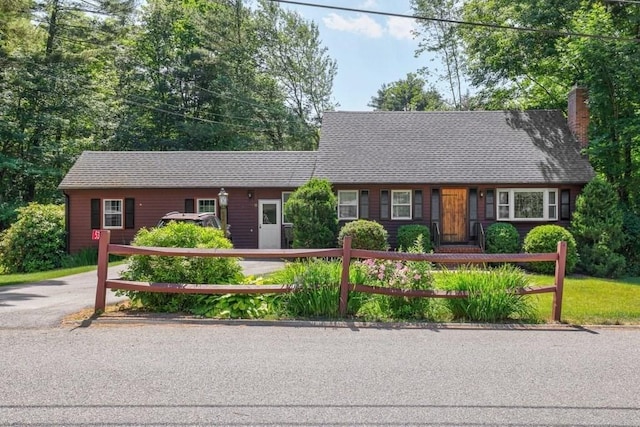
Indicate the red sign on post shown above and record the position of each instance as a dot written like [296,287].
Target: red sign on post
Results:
[95,234]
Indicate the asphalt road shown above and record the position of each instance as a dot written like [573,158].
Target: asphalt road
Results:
[44,304]
[112,372]
[177,375]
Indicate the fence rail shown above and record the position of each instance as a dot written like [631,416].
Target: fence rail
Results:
[346,253]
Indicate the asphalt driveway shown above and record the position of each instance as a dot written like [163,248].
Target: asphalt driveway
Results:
[44,304]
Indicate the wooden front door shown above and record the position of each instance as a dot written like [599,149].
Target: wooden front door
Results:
[454,215]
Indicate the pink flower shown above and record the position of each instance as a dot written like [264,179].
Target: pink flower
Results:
[381,276]
[416,277]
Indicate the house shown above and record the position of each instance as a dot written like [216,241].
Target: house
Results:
[453,171]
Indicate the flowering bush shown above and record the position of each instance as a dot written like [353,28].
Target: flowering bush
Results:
[399,274]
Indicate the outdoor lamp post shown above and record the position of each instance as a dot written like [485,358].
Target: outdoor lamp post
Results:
[223,198]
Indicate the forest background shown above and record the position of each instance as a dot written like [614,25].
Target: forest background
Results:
[81,75]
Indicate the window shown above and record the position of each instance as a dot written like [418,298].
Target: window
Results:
[364,204]
[565,205]
[400,204]
[435,205]
[285,197]
[528,204]
[206,205]
[347,204]
[473,211]
[112,213]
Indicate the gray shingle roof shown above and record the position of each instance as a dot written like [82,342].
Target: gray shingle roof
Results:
[461,147]
[189,169]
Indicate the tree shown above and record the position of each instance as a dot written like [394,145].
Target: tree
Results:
[407,95]
[313,210]
[444,40]
[303,70]
[536,69]
[597,226]
[52,94]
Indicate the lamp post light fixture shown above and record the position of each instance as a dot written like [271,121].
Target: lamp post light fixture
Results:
[223,198]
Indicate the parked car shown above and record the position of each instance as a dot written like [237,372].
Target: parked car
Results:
[207,219]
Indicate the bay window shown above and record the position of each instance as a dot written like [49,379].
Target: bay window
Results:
[528,204]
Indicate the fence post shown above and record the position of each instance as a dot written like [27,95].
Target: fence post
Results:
[103,267]
[559,280]
[344,280]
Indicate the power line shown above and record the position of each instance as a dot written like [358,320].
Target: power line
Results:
[467,23]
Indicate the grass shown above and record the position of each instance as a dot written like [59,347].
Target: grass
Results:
[593,301]
[22,278]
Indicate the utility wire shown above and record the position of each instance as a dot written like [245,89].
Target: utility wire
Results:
[466,23]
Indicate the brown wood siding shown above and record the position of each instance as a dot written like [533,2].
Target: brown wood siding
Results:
[152,204]
[374,207]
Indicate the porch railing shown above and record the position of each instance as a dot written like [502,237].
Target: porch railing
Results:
[435,235]
[480,236]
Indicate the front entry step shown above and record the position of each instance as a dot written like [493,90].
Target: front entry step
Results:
[459,249]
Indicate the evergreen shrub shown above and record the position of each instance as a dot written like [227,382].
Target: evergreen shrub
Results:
[598,226]
[545,238]
[408,234]
[365,234]
[313,211]
[502,238]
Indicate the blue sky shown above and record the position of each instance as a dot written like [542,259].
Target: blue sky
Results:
[370,49]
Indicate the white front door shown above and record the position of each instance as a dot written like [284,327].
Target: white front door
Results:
[269,224]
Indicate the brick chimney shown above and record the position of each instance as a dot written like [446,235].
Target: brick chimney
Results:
[578,114]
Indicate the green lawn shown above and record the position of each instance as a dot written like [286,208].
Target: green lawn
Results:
[591,301]
[587,300]
[18,279]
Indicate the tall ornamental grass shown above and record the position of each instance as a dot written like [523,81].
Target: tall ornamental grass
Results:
[491,297]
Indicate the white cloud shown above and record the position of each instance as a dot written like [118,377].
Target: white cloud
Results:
[400,28]
[368,4]
[362,24]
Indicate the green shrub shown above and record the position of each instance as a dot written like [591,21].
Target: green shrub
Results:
[491,297]
[598,227]
[313,210]
[631,247]
[545,238]
[602,261]
[319,289]
[36,241]
[365,234]
[408,234]
[502,238]
[176,269]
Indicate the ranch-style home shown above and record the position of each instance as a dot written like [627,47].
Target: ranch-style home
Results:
[456,172]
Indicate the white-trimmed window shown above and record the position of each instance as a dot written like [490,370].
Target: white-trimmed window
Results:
[527,204]
[285,197]
[347,204]
[112,213]
[207,205]
[400,204]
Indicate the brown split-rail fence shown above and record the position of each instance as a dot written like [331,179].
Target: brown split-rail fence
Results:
[346,254]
